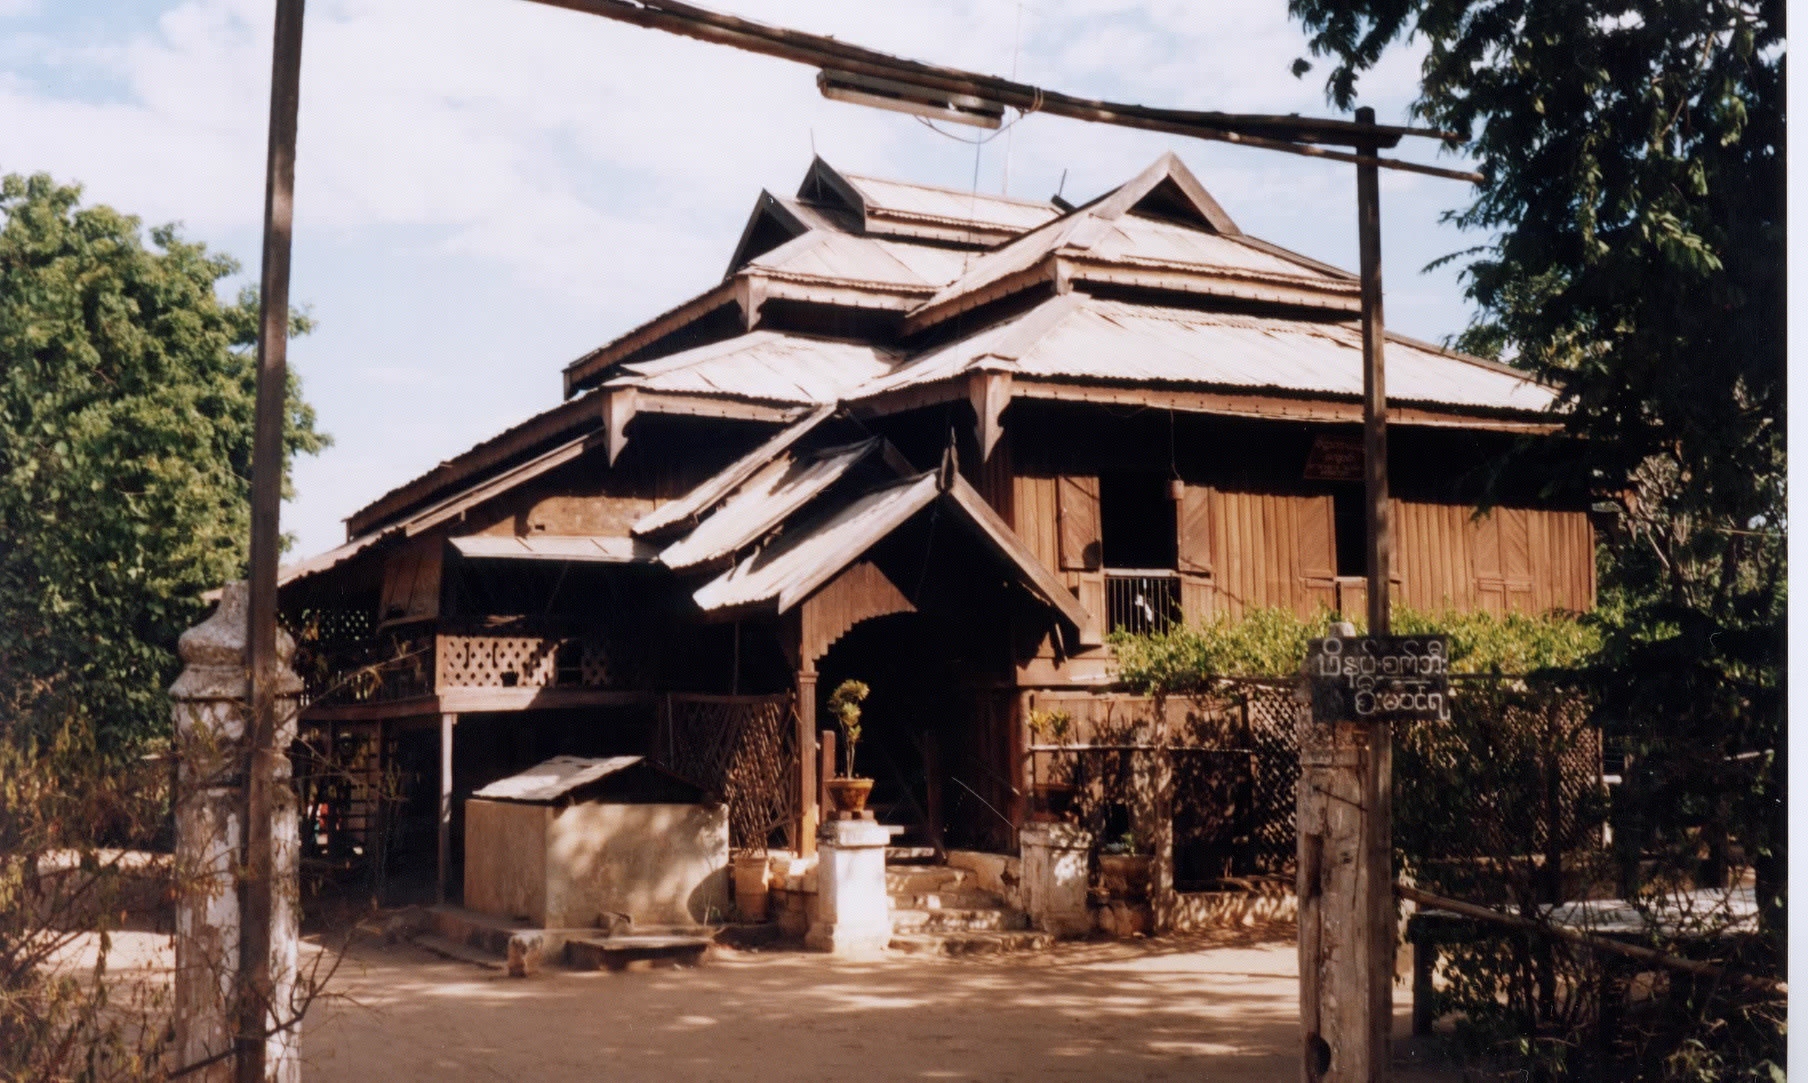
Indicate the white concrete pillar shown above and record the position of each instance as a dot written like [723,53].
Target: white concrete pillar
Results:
[211,704]
[1055,859]
[853,910]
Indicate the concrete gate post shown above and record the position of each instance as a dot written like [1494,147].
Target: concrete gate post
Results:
[853,909]
[211,706]
[1055,868]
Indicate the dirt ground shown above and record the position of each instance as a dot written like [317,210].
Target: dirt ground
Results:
[1221,1008]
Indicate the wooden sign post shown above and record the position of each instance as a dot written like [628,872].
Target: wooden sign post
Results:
[1358,686]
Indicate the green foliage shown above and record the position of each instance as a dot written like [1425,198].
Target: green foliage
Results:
[844,705]
[126,390]
[63,1015]
[1272,643]
[1633,209]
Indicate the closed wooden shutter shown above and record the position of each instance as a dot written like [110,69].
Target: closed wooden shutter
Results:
[411,583]
[1081,537]
[1315,540]
[1194,522]
[1035,518]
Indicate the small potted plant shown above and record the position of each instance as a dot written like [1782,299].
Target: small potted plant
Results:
[1053,795]
[849,792]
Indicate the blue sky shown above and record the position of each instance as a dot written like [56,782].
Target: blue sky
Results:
[487,188]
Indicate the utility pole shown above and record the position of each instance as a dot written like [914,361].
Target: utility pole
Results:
[1373,928]
[257,886]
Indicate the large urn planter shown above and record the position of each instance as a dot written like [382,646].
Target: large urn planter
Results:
[849,794]
[1124,876]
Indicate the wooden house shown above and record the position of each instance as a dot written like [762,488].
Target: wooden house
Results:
[940,441]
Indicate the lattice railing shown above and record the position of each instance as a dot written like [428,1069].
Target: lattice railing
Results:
[744,748]
[526,655]
[385,667]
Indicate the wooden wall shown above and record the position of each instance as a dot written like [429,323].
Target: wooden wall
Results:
[1243,545]
[1268,550]
[1521,559]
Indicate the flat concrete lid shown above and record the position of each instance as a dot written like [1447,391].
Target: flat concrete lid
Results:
[554,778]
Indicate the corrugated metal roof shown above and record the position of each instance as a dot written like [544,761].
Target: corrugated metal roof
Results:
[330,559]
[584,548]
[844,257]
[764,501]
[554,778]
[712,491]
[1133,240]
[1085,339]
[904,199]
[765,366]
[803,560]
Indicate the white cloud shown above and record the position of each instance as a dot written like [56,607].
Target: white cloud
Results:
[563,177]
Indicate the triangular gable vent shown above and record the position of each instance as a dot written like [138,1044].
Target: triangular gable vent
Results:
[830,191]
[1168,202]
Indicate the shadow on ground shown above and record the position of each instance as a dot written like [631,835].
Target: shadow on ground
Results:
[1222,1007]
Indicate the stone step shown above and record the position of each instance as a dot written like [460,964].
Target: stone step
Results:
[619,952]
[971,943]
[910,855]
[452,949]
[966,919]
[945,900]
[917,880]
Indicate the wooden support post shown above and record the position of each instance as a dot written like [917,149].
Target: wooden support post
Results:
[1374,388]
[807,809]
[825,768]
[446,724]
[1344,1025]
[932,789]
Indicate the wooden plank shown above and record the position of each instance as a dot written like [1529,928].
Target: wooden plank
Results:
[1316,553]
[1077,505]
[464,700]
[860,593]
[1193,525]
[988,393]
[1086,619]
[425,706]
[1268,406]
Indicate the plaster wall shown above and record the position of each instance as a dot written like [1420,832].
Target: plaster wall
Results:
[658,864]
[505,859]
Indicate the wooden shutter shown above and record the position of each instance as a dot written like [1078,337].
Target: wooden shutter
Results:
[1081,537]
[1034,518]
[1194,522]
[1315,538]
[1516,557]
[411,582]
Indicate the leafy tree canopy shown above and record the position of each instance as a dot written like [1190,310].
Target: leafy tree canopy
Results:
[1632,209]
[126,391]
[1633,199]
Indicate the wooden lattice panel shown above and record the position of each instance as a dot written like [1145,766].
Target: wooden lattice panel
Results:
[595,667]
[497,661]
[744,748]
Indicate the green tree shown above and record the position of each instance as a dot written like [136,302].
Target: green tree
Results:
[126,391]
[1632,222]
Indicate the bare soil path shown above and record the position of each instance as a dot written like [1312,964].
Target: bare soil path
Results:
[1222,1008]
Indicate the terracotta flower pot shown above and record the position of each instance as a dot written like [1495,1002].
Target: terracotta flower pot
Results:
[849,794]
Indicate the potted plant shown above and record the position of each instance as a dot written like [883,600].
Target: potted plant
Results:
[1124,868]
[849,792]
[1053,795]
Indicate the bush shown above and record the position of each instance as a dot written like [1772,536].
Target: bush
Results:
[1272,643]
